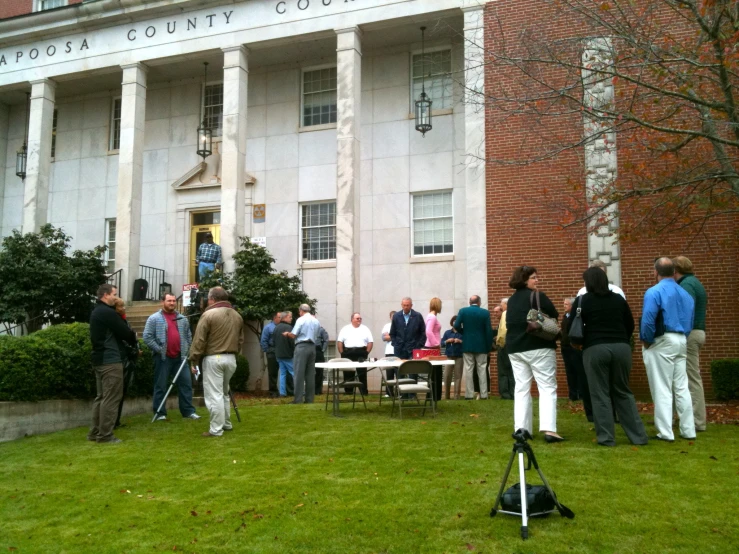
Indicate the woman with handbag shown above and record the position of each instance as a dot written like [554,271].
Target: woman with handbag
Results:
[531,355]
[607,327]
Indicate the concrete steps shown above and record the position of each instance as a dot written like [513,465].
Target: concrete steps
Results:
[138,312]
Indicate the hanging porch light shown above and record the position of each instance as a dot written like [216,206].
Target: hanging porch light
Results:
[205,133]
[21,158]
[423,104]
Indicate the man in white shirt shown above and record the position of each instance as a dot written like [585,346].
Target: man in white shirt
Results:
[611,286]
[355,343]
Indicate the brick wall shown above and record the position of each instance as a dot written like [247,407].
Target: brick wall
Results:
[11,8]
[522,199]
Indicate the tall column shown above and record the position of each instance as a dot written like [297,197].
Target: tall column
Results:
[130,176]
[348,107]
[474,145]
[233,153]
[36,193]
[4,122]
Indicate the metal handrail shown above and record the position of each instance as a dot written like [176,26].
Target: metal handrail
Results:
[154,277]
[115,279]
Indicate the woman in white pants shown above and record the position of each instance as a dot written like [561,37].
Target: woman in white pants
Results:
[531,357]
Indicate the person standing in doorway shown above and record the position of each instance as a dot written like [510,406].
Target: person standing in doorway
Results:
[209,257]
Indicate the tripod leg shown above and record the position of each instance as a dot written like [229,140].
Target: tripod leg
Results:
[524,515]
[563,510]
[503,483]
[236,408]
[166,395]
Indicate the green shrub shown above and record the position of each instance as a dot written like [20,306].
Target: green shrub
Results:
[725,377]
[32,369]
[241,375]
[143,375]
[74,339]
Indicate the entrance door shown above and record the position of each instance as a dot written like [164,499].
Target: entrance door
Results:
[202,223]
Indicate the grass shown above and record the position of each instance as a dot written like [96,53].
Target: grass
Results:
[294,479]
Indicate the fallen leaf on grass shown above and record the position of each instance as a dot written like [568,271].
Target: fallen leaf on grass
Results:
[423,423]
[299,506]
[330,459]
[459,514]
[409,471]
[683,452]
[258,516]
[306,493]
[193,513]
[470,547]
[12,548]
[474,415]
[482,452]
[208,512]
[140,495]
[124,491]
[713,458]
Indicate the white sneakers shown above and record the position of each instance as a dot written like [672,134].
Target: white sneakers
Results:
[160,418]
[193,416]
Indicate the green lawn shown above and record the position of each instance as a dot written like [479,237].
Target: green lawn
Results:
[294,479]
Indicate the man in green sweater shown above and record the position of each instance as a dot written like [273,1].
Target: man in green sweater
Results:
[697,338]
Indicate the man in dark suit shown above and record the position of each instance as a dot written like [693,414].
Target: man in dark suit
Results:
[407,331]
[473,323]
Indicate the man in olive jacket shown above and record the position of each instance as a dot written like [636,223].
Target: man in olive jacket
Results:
[697,337]
[108,331]
[473,323]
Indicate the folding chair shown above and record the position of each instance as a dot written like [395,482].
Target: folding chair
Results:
[388,383]
[414,367]
[341,383]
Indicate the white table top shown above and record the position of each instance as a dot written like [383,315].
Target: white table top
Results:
[378,363]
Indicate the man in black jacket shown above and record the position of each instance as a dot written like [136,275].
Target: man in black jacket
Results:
[107,332]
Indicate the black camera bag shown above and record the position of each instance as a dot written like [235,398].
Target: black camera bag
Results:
[538,499]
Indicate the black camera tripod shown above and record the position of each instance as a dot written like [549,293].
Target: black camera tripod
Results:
[522,447]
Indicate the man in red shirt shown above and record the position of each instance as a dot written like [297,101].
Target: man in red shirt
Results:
[167,334]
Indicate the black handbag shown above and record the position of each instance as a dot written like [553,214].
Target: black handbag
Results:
[576,332]
[538,500]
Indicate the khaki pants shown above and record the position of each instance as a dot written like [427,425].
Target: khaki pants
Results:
[456,371]
[470,361]
[696,340]
[217,372]
[109,386]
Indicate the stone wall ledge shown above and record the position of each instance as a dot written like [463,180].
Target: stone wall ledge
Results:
[24,419]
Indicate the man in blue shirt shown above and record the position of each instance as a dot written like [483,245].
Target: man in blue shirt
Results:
[305,334]
[667,319]
[266,341]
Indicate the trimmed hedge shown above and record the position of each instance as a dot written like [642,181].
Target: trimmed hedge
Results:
[55,363]
[725,377]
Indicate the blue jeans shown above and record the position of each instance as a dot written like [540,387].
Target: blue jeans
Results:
[163,370]
[204,268]
[286,366]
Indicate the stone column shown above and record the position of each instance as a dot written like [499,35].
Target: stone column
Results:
[474,146]
[348,107]
[4,121]
[36,192]
[233,150]
[130,176]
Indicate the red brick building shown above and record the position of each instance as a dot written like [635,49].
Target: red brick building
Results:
[520,195]
[12,8]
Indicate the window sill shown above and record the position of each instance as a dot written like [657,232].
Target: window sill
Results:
[431,258]
[318,265]
[113,152]
[321,127]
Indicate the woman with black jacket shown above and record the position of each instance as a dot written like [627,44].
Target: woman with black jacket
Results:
[607,328]
[531,357]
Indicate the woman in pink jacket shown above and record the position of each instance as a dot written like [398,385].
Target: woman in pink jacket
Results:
[433,342]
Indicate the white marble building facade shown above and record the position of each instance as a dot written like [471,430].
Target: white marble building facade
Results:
[146,60]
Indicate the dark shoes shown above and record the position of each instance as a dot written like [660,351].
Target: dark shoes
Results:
[112,440]
[553,438]
[658,438]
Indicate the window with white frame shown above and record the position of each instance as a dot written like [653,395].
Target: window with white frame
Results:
[433,71]
[115,125]
[213,108]
[41,5]
[318,231]
[110,243]
[319,96]
[53,134]
[433,223]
